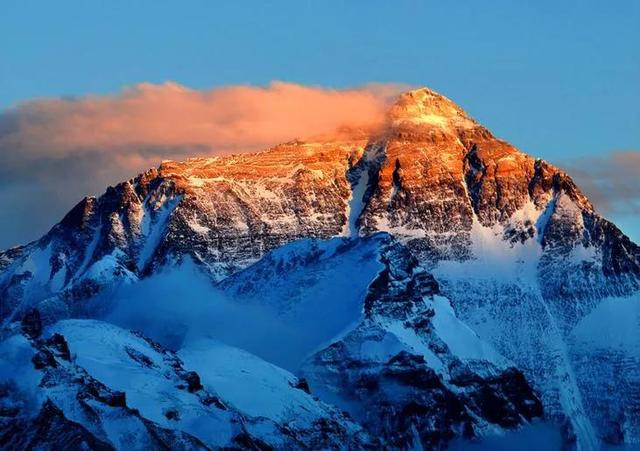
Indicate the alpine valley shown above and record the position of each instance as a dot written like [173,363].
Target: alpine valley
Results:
[423,286]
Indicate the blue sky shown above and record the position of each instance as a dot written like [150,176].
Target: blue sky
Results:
[560,80]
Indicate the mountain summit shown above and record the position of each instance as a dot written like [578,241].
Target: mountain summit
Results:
[424,106]
[449,285]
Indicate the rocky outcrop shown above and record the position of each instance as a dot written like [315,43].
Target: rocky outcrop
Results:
[402,376]
[511,242]
[49,430]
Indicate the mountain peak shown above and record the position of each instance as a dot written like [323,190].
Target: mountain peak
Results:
[488,260]
[423,106]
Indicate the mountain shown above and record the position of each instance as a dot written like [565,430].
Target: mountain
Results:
[426,278]
[111,388]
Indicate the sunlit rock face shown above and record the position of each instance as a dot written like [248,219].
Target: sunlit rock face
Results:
[519,252]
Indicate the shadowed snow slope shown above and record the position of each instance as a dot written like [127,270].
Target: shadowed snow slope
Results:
[125,391]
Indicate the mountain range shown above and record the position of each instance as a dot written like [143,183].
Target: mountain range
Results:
[421,285]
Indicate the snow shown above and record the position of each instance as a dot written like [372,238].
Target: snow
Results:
[383,349]
[533,437]
[196,227]
[462,341]
[90,250]
[283,318]
[605,350]
[101,348]
[58,279]
[566,206]
[38,264]
[514,262]
[423,106]
[409,338]
[156,230]
[199,182]
[543,219]
[284,315]
[316,303]
[614,325]
[528,212]
[231,371]
[498,289]
[401,232]
[372,155]
[124,432]
[104,269]
[195,181]
[117,228]
[356,203]
[580,254]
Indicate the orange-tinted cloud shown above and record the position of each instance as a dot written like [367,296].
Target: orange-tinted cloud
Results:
[234,118]
[57,150]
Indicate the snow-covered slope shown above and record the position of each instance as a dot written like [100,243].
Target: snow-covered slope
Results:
[523,263]
[124,391]
[528,297]
[412,372]
[314,289]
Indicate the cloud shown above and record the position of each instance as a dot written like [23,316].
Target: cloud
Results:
[150,306]
[233,118]
[611,182]
[57,150]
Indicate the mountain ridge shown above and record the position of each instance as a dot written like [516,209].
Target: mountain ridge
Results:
[504,236]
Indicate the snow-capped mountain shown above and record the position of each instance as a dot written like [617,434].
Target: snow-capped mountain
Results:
[426,282]
[110,388]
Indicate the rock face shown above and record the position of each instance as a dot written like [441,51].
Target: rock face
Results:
[507,242]
[415,375]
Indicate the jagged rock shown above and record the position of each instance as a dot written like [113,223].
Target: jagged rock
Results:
[193,381]
[302,384]
[31,323]
[510,241]
[59,345]
[213,401]
[50,430]
[398,387]
[43,359]
[139,357]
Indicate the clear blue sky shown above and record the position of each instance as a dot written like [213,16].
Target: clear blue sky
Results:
[560,80]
